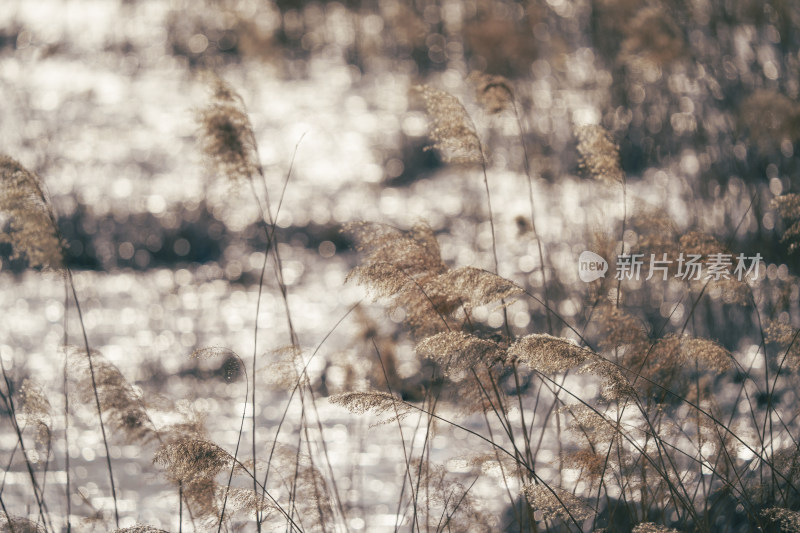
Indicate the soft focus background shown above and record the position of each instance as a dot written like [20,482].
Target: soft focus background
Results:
[99,98]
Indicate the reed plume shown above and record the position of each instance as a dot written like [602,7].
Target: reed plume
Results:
[599,154]
[556,503]
[788,207]
[30,225]
[122,405]
[452,131]
[226,134]
[16,524]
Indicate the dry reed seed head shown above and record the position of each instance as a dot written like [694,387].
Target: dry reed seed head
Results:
[457,351]
[122,405]
[140,529]
[788,520]
[599,154]
[201,497]
[472,287]
[243,500]
[285,369]
[771,118]
[556,503]
[232,367]
[374,401]
[707,352]
[652,35]
[226,134]
[615,385]
[591,424]
[34,401]
[786,337]
[30,225]
[16,524]
[36,410]
[495,464]
[616,328]
[547,354]
[697,242]
[452,130]
[787,461]
[788,207]
[494,93]
[191,459]
[650,527]
[412,252]
[590,463]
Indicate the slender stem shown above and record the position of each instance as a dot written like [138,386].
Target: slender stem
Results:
[95,392]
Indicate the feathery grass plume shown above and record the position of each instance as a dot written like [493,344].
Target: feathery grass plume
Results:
[615,385]
[548,354]
[616,328]
[590,464]
[453,132]
[191,459]
[788,520]
[122,405]
[699,243]
[599,154]
[444,499]
[415,251]
[285,369]
[375,401]
[499,465]
[12,524]
[226,135]
[30,227]
[494,93]
[36,409]
[140,529]
[657,234]
[231,364]
[652,35]
[788,207]
[590,424]
[399,265]
[784,336]
[650,527]
[473,287]
[771,117]
[709,353]
[542,499]
[457,351]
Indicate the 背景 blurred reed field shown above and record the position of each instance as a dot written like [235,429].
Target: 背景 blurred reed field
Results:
[315,266]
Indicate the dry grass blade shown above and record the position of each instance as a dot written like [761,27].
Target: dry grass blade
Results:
[457,351]
[452,131]
[30,227]
[548,354]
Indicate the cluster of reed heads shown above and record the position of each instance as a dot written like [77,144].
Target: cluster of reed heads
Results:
[667,431]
